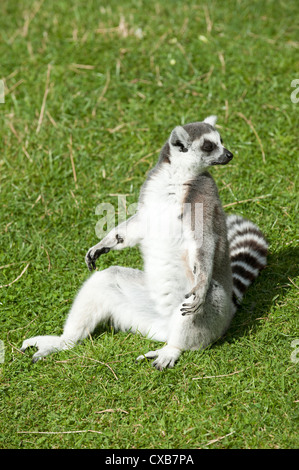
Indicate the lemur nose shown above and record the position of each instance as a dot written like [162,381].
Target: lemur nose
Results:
[228,154]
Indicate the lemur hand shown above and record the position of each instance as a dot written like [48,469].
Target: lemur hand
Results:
[195,307]
[93,254]
[110,242]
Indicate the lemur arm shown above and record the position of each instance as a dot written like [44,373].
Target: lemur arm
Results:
[201,261]
[127,234]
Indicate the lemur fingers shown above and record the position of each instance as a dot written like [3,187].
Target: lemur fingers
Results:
[197,309]
[93,254]
[101,248]
[193,307]
[164,357]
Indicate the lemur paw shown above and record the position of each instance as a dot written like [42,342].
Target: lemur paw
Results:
[194,307]
[164,357]
[93,254]
[45,345]
[108,243]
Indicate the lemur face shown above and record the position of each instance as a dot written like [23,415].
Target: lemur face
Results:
[198,145]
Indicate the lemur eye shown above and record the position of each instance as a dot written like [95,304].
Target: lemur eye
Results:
[208,146]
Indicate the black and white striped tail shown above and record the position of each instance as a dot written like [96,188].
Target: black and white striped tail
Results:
[248,252]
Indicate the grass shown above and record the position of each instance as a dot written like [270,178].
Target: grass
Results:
[121,76]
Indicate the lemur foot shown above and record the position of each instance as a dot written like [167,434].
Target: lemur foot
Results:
[45,345]
[164,357]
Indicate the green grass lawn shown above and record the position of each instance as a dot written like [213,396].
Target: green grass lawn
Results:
[101,85]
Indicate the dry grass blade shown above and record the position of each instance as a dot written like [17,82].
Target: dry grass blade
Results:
[49,261]
[41,115]
[247,200]
[27,154]
[102,94]
[11,126]
[11,264]
[72,159]
[99,362]
[222,61]
[51,119]
[14,86]
[83,66]
[219,438]
[248,121]
[111,410]
[181,48]
[292,282]
[15,280]
[208,19]
[218,376]
[58,432]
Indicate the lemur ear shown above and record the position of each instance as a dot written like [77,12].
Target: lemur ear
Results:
[180,138]
[211,120]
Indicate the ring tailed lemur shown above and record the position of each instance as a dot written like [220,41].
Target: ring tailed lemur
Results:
[197,263]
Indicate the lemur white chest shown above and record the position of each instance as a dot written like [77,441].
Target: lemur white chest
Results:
[165,245]
[162,208]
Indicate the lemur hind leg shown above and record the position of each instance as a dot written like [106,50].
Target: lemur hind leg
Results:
[197,331]
[116,294]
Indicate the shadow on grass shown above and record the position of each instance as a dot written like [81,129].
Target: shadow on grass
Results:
[272,283]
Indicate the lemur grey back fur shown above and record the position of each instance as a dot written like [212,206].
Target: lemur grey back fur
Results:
[197,262]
